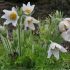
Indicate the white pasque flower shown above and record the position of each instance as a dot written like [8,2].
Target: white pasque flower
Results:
[66,35]
[64,25]
[28,9]
[54,49]
[29,22]
[10,16]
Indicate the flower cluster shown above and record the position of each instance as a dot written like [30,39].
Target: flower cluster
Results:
[29,20]
[12,17]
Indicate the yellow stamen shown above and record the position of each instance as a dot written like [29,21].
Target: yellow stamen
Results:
[13,16]
[28,11]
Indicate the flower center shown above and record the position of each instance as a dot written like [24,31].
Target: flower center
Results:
[28,11]
[29,21]
[13,16]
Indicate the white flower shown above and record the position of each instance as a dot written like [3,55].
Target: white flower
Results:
[64,25]
[29,22]
[67,19]
[54,49]
[10,16]
[66,35]
[28,9]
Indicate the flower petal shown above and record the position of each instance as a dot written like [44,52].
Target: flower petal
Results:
[14,23]
[32,7]
[58,46]
[31,26]
[24,5]
[4,16]
[35,21]
[63,26]
[28,4]
[63,49]
[14,9]
[56,54]
[6,11]
[52,45]
[66,19]
[66,35]
[26,25]
[49,53]
[7,22]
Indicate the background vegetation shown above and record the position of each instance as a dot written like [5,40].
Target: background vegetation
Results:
[45,7]
[34,48]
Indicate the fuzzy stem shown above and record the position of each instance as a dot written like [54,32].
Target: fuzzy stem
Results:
[10,33]
[19,46]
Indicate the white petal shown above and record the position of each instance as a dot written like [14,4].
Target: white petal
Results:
[58,46]
[56,54]
[4,16]
[14,23]
[6,11]
[26,25]
[52,45]
[35,21]
[67,25]
[28,4]
[17,17]
[66,19]
[49,53]
[32,7]
[31,26]
[63,49]
[55,48]
[63,25]
[24,7]
[14,9]
[66,35]
[7,22]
